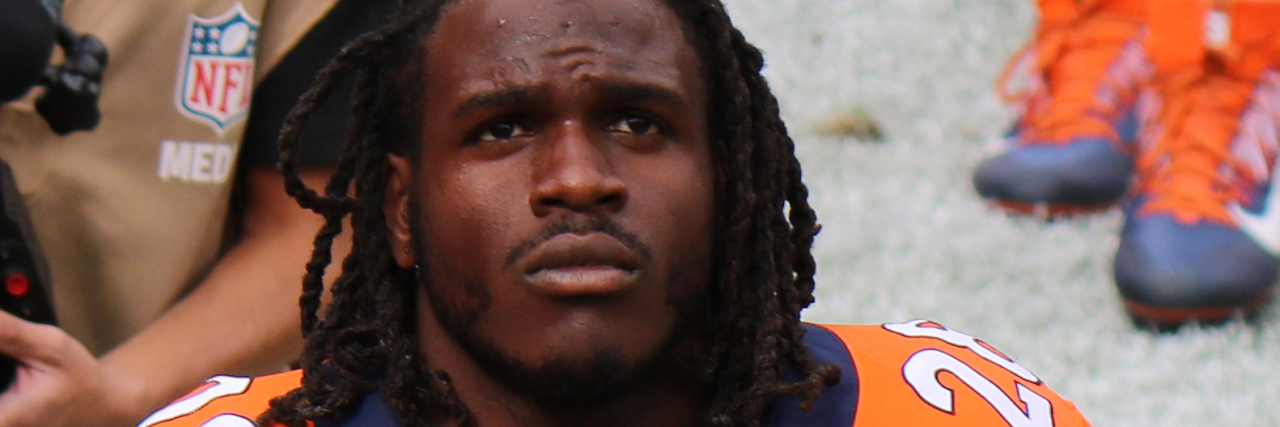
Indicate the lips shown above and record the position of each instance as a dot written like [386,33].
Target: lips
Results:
[580,264]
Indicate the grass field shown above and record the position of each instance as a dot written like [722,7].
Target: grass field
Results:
[906,237]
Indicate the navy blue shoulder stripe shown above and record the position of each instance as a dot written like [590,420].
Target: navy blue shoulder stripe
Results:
[839,403]
[372,412]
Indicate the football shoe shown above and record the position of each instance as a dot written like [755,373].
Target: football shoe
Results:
[1070,150]
[1201,239]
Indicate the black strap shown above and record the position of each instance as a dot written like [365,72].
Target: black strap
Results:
[325,133]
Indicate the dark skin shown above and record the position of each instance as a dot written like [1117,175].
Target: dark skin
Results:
[542,114]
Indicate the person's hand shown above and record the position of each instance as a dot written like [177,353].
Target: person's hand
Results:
[58,382]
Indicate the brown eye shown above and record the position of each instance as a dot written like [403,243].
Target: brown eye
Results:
[502,131]
[635,125]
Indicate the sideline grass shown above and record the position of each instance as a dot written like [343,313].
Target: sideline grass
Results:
[906,237]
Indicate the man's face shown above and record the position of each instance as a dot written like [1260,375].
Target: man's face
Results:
[561,208]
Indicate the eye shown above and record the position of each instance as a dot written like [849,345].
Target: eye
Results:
[502,131]
[634,124]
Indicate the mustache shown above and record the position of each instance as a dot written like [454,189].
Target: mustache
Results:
[580,225]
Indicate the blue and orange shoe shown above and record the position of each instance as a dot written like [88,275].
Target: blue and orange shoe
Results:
[1201,239]
[1070,150]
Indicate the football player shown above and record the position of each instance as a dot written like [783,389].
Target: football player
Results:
[586,213]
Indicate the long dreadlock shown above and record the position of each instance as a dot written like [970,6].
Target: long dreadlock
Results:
[762,279]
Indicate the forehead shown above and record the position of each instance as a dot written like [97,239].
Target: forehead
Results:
[615,21]
[497,40]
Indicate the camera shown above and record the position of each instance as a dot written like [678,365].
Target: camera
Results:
[29,30]
[23,268]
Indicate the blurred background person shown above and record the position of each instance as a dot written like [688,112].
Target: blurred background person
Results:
[173,247]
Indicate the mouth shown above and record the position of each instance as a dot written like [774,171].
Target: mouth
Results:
[571,264]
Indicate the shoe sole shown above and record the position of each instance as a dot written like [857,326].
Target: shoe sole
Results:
[1169,318]
[1048,211]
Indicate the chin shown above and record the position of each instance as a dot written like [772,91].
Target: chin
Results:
[574,381]
[587,372]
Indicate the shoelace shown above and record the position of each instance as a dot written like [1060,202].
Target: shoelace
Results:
[1188,171]
[1074,57]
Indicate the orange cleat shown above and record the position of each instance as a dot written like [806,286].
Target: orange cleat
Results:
[1201,239]
[1069,151]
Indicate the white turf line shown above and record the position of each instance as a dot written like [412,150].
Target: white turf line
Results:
[906,237]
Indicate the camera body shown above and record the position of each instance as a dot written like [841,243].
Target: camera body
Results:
[24,273]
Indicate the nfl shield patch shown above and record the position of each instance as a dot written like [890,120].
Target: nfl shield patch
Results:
[215,79]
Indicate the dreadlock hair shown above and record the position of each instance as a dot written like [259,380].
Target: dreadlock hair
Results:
[763,268]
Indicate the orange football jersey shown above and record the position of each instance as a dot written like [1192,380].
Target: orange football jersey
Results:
[920,373]
[916,373]
[225,401]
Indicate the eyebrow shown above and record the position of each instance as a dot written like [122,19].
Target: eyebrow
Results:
[501,99]
[641,92]
[611,91]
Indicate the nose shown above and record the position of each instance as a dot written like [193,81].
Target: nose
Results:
[574,173]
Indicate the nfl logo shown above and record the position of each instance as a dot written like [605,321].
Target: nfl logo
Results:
[215,80]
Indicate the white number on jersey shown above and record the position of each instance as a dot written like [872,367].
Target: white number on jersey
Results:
[922,368]
[914,329]
[921,371]
[223,386]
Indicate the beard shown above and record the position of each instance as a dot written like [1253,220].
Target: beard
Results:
[560,381]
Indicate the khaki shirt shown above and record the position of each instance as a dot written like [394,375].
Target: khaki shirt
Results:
[131,214]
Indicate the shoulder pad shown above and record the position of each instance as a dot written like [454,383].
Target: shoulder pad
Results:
[922,373]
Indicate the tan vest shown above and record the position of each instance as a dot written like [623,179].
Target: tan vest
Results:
[132,213]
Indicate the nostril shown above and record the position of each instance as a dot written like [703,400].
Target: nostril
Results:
[553,203]
[578,198]
[610,199]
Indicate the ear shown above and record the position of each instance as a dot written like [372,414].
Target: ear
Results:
[396,209]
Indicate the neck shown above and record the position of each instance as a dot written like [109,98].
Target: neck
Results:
[665,400]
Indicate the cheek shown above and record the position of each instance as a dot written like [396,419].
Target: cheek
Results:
[680,205]
[468,214]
